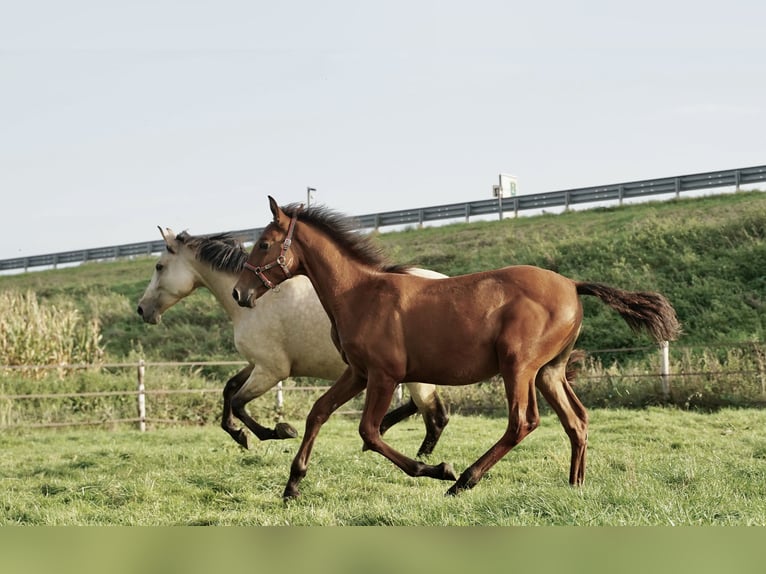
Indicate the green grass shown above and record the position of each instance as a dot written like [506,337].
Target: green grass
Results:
[651,467]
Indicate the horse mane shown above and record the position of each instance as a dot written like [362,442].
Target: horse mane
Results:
[222,251]
[344,230]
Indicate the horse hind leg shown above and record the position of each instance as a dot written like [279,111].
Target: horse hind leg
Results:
[435,417]
[397,415]
[555,388]
[434,412]
[523,418]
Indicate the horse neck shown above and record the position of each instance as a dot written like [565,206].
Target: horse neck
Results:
[332,272]
[219,283]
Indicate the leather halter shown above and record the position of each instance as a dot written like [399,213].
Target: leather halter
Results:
[280,261]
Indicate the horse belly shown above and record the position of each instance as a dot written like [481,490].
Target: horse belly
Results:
[451,361]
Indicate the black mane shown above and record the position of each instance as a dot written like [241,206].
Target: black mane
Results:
[223,252]
[344,230]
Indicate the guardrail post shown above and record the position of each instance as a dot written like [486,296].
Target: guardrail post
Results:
[141,396]
[665,368]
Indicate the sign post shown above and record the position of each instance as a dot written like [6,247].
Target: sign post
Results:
[506,187]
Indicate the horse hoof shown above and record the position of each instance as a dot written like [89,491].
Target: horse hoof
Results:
[243,439]
[454,491]
[291,493]
[285,430]
[447,472]
[457,488]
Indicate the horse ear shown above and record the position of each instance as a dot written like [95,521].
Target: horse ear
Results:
[279,216]
[274,208]
[170,238]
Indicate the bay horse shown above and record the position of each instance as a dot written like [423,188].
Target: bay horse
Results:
[521,322]
[288,335]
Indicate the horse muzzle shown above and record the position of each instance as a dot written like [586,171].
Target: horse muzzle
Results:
[244,297]
[149,314]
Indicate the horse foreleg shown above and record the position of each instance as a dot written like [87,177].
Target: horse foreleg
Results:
[343,390]
[256,385]
[376,402]
[227,419]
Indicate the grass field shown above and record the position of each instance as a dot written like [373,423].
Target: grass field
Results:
[659,466]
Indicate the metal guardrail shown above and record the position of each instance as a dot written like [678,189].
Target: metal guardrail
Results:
[614,192]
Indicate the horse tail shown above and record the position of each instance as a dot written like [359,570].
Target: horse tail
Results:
[641,310]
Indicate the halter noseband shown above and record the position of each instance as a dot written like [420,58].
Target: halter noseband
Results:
[280,261]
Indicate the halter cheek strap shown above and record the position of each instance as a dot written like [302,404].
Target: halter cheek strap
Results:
[280,261]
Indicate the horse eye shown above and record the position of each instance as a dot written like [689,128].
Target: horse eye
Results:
[264,245]
[159,266]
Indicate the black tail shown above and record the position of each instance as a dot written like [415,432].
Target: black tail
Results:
[650,312]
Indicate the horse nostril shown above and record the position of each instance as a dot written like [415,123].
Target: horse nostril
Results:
[140,310]
[235,294]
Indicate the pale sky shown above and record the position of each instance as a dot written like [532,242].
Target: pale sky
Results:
[116,117]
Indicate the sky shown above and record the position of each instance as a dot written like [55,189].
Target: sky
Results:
[117,117]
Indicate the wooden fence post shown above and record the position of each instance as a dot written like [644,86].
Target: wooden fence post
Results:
[665,368]
[760,357]
[280,397]
[141,396]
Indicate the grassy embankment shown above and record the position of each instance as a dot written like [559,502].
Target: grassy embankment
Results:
[707,255]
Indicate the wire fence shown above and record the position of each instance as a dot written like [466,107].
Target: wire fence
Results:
[669,378]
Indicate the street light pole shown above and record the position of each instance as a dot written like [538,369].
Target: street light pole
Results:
[309,195]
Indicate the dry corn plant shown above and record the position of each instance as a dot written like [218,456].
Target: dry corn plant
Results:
[35,335]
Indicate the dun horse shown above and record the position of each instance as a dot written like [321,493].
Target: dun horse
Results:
[288,335]
[520,321]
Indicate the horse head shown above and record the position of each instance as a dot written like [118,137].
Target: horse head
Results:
[272,259]
[172,280]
